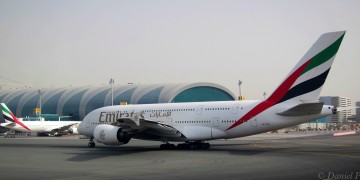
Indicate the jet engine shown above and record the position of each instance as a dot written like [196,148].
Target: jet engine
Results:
[110,135]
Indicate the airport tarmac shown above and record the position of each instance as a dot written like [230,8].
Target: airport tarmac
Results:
[314,157]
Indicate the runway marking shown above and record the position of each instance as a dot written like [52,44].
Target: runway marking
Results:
[345,133]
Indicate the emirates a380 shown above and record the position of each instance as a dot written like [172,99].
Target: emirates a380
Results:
[293,102]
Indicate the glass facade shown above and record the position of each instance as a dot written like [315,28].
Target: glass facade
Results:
[124,97]
[14,103]
[72,106]
[29,106]
[50,106]
[77,102]
[151,97]
[201,94]
[97,101]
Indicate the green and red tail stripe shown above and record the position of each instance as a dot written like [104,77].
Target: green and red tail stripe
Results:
[10,117]
[290,87]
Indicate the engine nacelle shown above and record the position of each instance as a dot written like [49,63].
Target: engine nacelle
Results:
[110,135]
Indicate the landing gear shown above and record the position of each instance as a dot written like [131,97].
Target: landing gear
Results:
[91,143]
[10,134]
[167,146]
[194,145]
[186,145]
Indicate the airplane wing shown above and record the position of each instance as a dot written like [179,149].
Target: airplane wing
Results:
[63,128]
[8,125]
[158,129]
[147,129]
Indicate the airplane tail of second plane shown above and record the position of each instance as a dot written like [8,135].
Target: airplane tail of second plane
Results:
[9,117]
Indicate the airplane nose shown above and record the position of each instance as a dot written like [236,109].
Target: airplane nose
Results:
[81,128]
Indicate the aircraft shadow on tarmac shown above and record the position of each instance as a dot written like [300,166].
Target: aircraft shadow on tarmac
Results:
[235,148]
[103,152]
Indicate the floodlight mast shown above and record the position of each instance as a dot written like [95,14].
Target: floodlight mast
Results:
[39,91]
[111,82]
[239,83]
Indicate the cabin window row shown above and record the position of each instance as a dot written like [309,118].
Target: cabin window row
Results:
[228,121]
[186,122]
[214,109]
[169,110]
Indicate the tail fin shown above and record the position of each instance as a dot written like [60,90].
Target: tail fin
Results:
[9,116]
[305,80]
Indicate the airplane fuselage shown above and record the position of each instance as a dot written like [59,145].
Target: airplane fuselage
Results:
[293,102]
[39,126]
[200,120]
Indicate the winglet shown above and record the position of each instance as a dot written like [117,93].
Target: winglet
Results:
[10,117]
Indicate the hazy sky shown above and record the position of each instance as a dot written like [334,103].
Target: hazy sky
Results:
[60,43]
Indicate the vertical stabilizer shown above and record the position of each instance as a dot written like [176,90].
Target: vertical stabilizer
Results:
[306,79]
[9,116]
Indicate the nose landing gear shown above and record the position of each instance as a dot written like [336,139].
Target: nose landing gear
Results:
[91,143]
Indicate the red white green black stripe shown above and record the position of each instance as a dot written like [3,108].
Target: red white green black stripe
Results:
[290,88]
[9,116]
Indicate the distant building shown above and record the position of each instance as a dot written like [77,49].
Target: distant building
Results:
[337,101]
[78,102]
[357,104]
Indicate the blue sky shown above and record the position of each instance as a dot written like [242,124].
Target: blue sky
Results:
[61,43]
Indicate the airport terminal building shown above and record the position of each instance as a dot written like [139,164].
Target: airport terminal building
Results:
[77,102]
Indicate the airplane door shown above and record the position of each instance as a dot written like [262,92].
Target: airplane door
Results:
[235,108]
[216,122]
[170,121]
[87,124]
[253,122]
[199,110]
[215,130]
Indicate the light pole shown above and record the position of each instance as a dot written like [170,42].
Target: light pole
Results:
[111,82]
[39,91]
[240,82]
[264,94]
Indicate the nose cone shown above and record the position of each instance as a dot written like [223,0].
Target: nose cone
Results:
[84,127]
[81,128]
[87,125]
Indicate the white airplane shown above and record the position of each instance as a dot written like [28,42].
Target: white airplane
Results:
[12,123]
[294,101]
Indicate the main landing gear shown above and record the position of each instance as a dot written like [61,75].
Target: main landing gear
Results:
[167,146]
[91,143]
[186,145]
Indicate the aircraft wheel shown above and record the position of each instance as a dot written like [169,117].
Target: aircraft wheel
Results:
[91,144]
[162,146]
[167,146]
[207,145]
[172,146]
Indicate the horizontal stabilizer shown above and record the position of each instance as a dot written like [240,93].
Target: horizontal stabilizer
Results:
[8,124]
[303,109]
